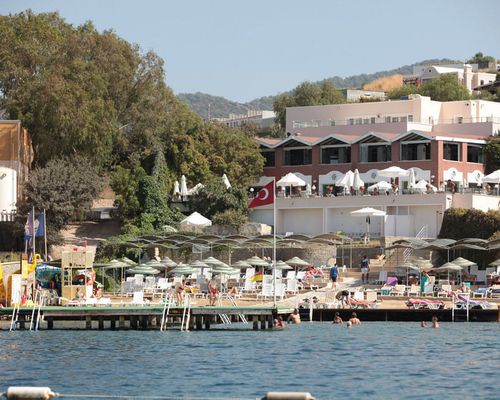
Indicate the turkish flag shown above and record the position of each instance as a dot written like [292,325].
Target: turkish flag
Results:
[265,196]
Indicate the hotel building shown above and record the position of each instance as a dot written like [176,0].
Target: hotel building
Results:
[441,141]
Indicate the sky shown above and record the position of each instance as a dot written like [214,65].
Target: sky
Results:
[247,49]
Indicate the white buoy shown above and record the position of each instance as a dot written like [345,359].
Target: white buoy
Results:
[29,393]
[288,396]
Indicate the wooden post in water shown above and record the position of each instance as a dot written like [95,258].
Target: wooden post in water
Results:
[270,322]
[207,322]
[199,322]
[100,322]
[262,322]
[121,322]
[255,320]
[112,323]
[50,323]
[133,322]
[144,322]
[88,322]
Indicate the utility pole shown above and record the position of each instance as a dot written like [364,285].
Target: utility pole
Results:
[208,112]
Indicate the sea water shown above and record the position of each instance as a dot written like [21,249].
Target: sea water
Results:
[376,360]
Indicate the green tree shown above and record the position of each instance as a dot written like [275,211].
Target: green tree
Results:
[215,201]
[492,153]
[402,91]
[65,188]
[480,58]
[305,94]
[445,87]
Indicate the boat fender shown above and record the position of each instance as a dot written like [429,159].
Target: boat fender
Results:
[29,393]
[288,396]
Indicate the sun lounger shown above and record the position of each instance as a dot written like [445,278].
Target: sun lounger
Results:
[419,304]
[399,290]
[355,303]
[138,299]
[444,291]
[464,302]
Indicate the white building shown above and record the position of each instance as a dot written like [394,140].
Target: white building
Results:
[467,74]
[264,119]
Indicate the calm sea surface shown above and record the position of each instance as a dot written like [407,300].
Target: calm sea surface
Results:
[376,360]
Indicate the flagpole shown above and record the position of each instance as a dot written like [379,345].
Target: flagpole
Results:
[274,240]
[34,233]
[45,234]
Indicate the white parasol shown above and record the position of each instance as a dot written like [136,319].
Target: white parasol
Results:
[225,181]
[184,189]
[368,212]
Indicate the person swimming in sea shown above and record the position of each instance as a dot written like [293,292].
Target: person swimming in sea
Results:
[354,319]
[294,317]
[337,319]
[435,322]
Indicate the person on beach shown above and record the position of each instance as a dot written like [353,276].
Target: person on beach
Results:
[334,274]
[294,317]
[435,322]
[337,319]
[78,295]
[343,297]
[213,292]
[279,323]
[365,269]
[423,281]
[423,324]
[354,319]
[179,291]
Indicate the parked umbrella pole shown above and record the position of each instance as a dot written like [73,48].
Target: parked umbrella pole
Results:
[274,241]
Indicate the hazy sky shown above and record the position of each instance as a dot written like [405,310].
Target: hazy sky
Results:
[247,49]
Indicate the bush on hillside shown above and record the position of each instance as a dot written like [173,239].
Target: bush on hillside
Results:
[460,223]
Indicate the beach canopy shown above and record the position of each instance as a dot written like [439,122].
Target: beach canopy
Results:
[494,177]
[241,264]
[212,261]
[282,265]
[143,270]
[346,180]
[449,266]
[195,189]
[368,212]
[168,262]
[177,189]
[291,179]
[495,263]
[356,180]
[411,179]
[297,262]
[198,264]
[183,189]
[393,172]
[462,262]
[257,262]
[225,181]
[195,219]
[380,186]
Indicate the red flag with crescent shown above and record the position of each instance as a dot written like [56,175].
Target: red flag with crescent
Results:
[264,196]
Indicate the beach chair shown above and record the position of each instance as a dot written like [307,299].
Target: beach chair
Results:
[138,299]
[149,283]
[414,290]
[267,291]
[91,301]
[444,290]
[301,275]
[399,290]
[481,276]
[292,286]
[428,289]
[280,290]
[382,277]
[481,292]
[290,275]
[104,301]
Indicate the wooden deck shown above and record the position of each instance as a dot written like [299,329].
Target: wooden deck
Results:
[144,317]
[150,317]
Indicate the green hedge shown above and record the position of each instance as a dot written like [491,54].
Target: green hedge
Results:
[460,223]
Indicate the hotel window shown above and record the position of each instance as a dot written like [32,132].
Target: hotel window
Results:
[350,121]
[375,152]
[451,151]
[387,119]
[372,120]
[269,157]
[475,154]
[336,155]
[395,119]
[298,156]
[410,118]
[359,121]
[415,151]
[332,122]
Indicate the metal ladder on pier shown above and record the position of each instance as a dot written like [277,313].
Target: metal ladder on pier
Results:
[38,303]
[168,302]
[15,312]
[224,317]
[186,313]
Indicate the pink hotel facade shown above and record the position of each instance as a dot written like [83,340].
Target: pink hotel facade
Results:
[440,140]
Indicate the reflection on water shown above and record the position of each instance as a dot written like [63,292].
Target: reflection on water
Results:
[375,360]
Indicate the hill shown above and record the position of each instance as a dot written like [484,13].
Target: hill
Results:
[221,107]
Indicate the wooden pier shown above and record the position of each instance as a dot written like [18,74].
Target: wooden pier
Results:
[258,317]
[143,317]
